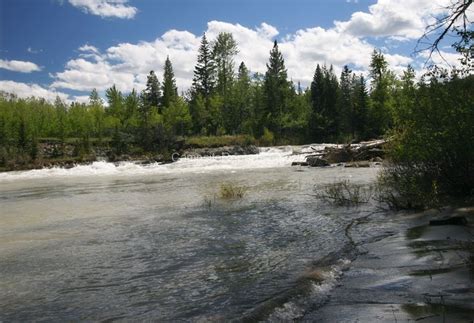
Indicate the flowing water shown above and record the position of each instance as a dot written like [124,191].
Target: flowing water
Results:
[126,241]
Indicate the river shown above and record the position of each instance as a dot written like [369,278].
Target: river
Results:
[125,241]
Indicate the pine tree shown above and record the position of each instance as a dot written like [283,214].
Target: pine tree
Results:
[204,72]
[95,99]
[224,50]
[152,91]
[380,96]
[324,119]
[170,91]
[239,113]
[276,91]
[360,99]
[345,102]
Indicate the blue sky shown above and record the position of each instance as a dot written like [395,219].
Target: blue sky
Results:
[68,47]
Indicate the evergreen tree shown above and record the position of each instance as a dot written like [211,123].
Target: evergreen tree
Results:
[152,91]
[380,96]
[324,120]
[224,50]
[170,91]
[276,91]
[202,88]
[360,99]
[346,107]
[331,111]
[204,72]
[237,118]
[95,99]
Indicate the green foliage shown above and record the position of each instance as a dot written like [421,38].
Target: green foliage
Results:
[325,115]
[170,91]
[381,107]
[267,139]
[223,52]
[431,140]
[177,118]
[152,92]
[277,89]
[204,73]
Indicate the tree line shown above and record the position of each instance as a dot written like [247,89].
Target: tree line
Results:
[223,100]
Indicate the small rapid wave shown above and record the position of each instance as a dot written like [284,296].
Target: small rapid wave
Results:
[311,291]
[269,157]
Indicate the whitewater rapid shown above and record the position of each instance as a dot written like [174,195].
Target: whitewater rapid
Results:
[269,157]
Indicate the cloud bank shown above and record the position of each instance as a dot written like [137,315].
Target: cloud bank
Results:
[348,42]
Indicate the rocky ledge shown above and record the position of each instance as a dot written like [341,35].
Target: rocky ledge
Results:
[351,155]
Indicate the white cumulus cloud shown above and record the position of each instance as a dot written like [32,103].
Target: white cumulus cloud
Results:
[106,8]
[402,19]
[19,66]
[24,90]
[127,64]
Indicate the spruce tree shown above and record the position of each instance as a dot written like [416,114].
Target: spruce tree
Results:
[380,96]
[276,91]
[239,111]
[360,108]
[224,50]
[152,91]
[345,102]
[94,98]
[204,72]
[170,91]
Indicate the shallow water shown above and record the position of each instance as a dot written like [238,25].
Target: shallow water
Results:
[108,241]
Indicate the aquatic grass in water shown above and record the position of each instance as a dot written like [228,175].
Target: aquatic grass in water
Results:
[228,191]
[231,191]
[345,193]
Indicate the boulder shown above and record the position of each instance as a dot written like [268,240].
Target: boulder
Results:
[317,162]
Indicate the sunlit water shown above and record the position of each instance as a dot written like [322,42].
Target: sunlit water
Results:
[126,241]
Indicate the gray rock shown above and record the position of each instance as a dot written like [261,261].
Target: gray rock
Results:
[317,162]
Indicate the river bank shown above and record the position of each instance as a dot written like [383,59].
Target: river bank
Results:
[54,154]
[411,272]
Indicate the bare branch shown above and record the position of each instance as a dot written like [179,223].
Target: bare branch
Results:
[442,27]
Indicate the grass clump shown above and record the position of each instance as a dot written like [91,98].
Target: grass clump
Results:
[227,192]
[345,193]
[231,191]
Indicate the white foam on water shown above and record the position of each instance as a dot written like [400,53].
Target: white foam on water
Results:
[269,157]
[295,309]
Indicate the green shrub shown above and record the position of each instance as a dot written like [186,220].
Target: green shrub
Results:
[267,138]
[430,150]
